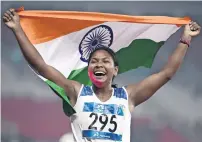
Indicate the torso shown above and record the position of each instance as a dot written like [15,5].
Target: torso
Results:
[98,121]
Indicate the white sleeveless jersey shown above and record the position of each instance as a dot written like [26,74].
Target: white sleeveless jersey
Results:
[97,121]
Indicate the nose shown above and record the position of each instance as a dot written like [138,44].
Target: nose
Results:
[99,64]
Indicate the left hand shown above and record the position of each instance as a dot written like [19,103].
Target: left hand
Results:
[192,29]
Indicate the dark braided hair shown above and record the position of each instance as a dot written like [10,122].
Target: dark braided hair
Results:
[111,53]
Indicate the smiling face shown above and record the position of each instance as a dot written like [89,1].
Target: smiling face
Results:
[102,66]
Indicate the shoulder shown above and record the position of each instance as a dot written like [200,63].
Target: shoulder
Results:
[131,88]
[85,90]
[121,92]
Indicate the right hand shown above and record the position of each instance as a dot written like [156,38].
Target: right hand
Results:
[11,19]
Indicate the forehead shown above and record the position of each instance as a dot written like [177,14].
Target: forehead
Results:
[101,54]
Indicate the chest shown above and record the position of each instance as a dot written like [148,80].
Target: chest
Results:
[107,117]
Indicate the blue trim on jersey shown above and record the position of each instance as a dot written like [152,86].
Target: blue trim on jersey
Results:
[86,91]
[92,134]
[120,93]
[103,108]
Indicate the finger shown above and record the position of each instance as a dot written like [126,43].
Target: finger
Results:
[6,15]
[193,26]
[12,11]
[5,19]
[196,26]
[190,23]
[10,15]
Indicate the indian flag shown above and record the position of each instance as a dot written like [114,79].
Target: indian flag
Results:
[65,40]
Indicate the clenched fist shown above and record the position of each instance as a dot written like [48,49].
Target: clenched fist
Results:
[11,19]
[192,29]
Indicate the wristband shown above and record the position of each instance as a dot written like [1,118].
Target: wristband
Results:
[185,41]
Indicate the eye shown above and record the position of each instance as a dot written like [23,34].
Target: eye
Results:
[93,61]
[106,61]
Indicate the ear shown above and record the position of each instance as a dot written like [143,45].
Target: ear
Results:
[116,69]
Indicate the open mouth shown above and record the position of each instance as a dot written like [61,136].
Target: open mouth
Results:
[99,73]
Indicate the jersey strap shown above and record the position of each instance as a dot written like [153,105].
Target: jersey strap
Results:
[86,91]
[120,93]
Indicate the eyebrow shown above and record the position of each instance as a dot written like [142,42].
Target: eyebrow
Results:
[97,58]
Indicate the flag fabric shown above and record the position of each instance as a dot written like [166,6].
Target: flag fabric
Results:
[65,40]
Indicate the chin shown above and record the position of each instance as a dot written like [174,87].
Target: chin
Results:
[100,83]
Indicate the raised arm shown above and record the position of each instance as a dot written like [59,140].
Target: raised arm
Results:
[12,20]
[142,91]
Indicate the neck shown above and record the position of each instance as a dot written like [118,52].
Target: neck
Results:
[104,90]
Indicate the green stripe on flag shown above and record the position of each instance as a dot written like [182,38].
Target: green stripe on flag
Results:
[140,52]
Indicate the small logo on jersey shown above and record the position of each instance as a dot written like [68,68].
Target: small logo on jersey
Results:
[96,134]
[121,110]
[100,108]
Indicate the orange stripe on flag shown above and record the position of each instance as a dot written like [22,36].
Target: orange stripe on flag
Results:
[42,26]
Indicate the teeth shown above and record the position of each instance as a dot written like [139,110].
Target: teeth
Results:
[99,72]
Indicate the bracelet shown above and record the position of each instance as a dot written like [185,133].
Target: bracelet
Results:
[185,41]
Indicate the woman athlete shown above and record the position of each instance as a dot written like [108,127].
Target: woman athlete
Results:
[103,112]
